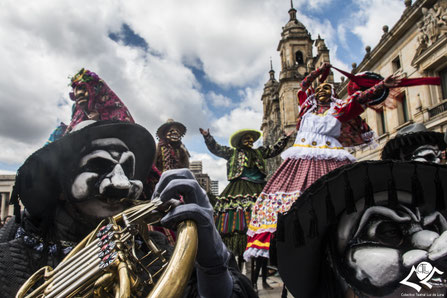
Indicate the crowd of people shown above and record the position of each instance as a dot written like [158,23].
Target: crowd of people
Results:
[334,227]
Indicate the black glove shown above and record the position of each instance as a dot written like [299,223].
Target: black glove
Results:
[214,279]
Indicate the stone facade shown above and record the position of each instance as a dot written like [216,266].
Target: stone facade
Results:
[415,47]
[6,184]
[280,104]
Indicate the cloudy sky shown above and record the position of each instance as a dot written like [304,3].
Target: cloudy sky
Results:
[200,62]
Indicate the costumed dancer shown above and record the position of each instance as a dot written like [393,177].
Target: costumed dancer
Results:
[368,229]
[246,173]
[171,152]
[326,125]
[95,100]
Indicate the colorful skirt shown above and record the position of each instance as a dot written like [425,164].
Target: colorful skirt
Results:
[283,188]
[233,210]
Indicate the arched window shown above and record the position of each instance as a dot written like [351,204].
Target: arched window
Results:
[299,57]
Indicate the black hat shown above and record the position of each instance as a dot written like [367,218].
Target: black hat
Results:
[302,231]
[409,138]
[357,84]
[164,128]
[39,180]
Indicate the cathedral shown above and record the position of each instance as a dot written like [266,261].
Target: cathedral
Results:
[280,104]
[416,46]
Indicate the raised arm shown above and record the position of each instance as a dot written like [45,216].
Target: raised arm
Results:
[215,148]
[277,148]
[360,100]
[312,76]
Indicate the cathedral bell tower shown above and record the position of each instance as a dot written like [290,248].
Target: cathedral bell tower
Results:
[279,99]
[271,122]
[295,50]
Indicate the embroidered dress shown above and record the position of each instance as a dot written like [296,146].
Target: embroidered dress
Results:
[233,209]
[246,173]
[319,148]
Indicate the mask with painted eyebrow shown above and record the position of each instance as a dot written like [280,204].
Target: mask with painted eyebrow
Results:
[103,183]
[323,92]
[427,153]
[380,248]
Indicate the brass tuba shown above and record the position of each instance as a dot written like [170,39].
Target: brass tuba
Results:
[109,262]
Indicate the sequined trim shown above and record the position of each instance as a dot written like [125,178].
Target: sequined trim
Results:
[320,147]
[36,242]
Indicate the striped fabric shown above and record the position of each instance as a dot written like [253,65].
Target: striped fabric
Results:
[233,210]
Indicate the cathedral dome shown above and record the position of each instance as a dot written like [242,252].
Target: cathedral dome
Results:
[294,24]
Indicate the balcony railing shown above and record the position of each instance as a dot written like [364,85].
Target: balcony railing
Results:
[438,109]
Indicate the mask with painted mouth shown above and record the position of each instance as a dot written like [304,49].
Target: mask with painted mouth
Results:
[378,248]
[103,185]
[247,141]
[427,153]
[323,93]
[81,96]
[174,135]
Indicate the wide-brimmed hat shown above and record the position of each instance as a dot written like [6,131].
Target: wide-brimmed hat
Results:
[237,136]
[164,128]
[409,138]
[302,232]
[356,85]
[39,181]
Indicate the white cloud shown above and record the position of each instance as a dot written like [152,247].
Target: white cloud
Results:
[341,33]
[248,114]
[218,100]
[238,118]
[372,16]
[214,166]
[319,5]
[5,172]
[44,42]
[231,39]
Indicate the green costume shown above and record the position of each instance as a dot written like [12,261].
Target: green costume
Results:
[246,171]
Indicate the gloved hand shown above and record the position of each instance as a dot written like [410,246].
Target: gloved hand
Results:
[214,279]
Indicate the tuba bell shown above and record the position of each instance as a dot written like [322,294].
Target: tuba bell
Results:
[118,258]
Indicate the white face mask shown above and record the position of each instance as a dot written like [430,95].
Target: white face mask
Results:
[380,246]
[103,185]
[427,153]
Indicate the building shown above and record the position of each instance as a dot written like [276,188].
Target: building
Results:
[6,184]
[203,178]
[416,47]
[280,105]
[195,167]
[215,187]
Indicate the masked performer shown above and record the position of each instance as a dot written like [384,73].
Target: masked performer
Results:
[415,142]
[71,184]
[326,125]
[171,153]
[370,229]
[94,100]
[246,173]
